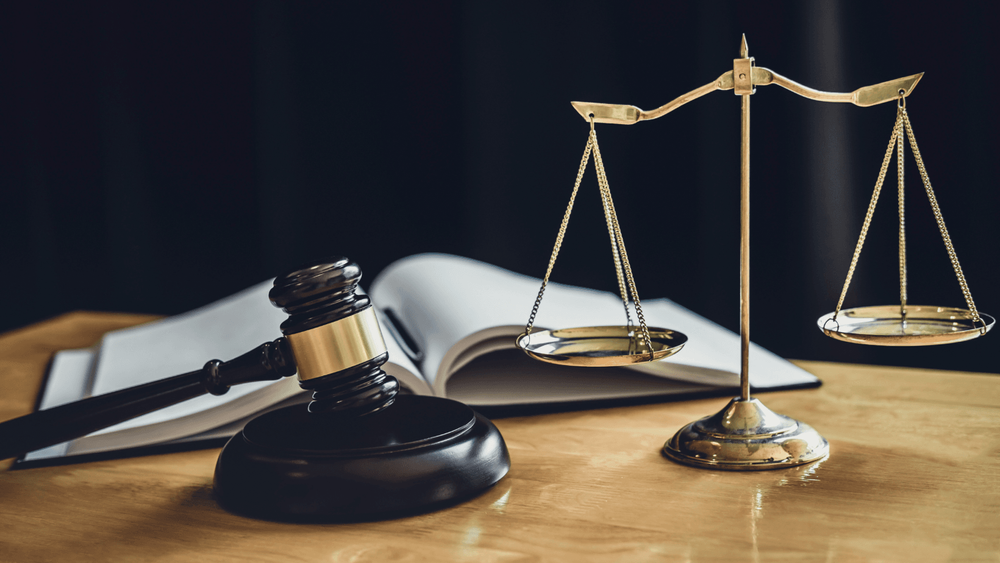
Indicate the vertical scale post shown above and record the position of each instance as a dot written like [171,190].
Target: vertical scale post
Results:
[743,87]
[745,435]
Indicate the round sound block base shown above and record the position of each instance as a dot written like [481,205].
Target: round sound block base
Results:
[419,454]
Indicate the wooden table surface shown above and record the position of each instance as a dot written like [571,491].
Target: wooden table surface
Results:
[913,475]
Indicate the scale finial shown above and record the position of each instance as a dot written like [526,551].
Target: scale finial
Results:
[744,50]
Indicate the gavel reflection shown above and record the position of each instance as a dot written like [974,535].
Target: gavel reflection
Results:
[360,450]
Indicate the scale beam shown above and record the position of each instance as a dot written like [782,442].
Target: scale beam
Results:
[875,94]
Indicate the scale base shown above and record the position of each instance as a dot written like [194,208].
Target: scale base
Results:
[419,454]
[746,436]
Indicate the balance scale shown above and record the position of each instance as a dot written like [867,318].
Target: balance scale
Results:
[746,435]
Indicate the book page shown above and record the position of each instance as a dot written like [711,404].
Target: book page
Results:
[68,380]
[399,365]
[526,381]
[69,377]
[222,330]
[714,351]
[456,309]
[442,299]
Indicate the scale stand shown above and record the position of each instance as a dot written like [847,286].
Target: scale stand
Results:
[746,435]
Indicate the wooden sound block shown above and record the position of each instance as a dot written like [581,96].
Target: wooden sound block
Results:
[419,454]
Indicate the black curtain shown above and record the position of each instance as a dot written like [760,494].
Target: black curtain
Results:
[158,156]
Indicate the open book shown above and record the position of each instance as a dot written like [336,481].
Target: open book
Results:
[449,325]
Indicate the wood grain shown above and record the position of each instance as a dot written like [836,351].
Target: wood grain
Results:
[912,476]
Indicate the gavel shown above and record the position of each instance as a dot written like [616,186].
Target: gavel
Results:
[359,450]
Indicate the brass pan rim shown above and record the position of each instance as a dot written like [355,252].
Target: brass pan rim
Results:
[924,325]
[600,346]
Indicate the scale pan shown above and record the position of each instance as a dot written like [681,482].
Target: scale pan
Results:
[883,325]
[600,346]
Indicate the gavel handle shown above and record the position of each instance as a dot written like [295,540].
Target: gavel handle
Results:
[267,362]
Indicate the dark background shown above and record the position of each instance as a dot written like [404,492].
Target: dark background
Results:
[159,156]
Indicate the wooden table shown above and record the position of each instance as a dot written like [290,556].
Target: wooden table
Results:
[913,475]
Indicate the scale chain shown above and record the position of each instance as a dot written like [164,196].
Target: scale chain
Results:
[608,213]
[608,206]
[940,219]
[559,237]
[602,181]
[871,211]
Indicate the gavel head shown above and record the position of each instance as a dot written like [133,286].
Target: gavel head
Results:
[335,338]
